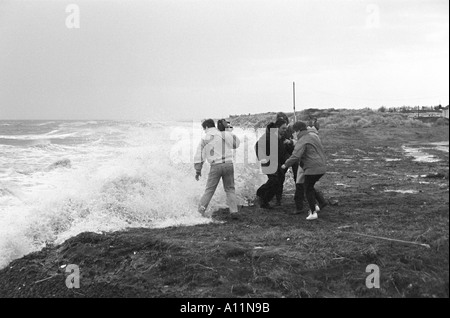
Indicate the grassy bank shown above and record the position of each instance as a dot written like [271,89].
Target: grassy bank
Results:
[334,118]
[271,253]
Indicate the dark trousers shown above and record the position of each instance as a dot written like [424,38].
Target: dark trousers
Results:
[282,178]
[313,196]
[269,189]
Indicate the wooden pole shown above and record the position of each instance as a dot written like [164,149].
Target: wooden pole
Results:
[389,239]
[293,89]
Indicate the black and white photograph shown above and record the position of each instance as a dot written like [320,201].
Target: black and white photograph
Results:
[224,156]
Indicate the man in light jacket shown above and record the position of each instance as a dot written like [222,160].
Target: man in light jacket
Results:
[308,150]
[217,148]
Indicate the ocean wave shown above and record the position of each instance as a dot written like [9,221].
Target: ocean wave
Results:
[63,163]
[108,189]
[39,143]
[45,124]
[79,123]
[116,196]
[97,142]
[48,135]
[52,132]
[9,190]
[25,142]
[5,192]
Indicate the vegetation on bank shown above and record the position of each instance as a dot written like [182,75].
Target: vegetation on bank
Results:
[340,118]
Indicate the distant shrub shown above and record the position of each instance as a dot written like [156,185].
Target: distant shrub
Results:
[363,123]
[442,122]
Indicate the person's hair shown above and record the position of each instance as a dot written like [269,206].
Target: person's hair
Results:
[314,123]
[270,125]
[280,122]
[222,124]
[283,116]
[209,123]
[299,126]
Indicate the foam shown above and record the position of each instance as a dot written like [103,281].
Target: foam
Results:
[49,135]
[110,186]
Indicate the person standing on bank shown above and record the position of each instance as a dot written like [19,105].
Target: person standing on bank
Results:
[217,148]
[287,137]
[313,128]
[308,150]
[271,151]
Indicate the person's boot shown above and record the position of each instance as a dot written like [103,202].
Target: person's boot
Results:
[266,205]
[299,197]
[278,202]
[202,210]
[321,199]
[299,209]
[263,204]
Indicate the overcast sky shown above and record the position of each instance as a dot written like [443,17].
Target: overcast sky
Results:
[192,59]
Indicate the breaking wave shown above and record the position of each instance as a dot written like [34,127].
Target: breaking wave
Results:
[119,180]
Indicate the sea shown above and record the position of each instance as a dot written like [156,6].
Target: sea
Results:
[62,178]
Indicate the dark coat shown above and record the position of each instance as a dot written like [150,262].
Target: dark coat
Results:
[262,147]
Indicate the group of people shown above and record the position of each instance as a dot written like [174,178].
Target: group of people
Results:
[283,145]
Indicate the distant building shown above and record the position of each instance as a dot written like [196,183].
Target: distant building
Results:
[427,114]
[431,114]
[445,112]
[412,115]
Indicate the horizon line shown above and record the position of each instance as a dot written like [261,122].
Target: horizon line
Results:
[229,115]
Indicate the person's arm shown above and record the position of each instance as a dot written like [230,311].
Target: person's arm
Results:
[199,159]
[317,125]
[236,141]
[299,149]
[289,145]
[232,140]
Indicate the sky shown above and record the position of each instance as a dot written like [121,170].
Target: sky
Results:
[193,59]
